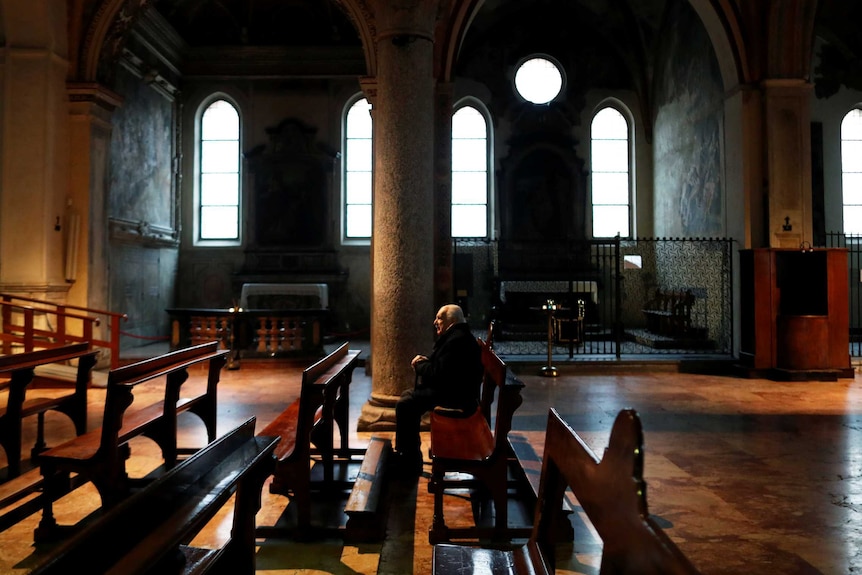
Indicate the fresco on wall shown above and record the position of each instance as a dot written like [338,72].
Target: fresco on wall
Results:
[140,187]
[689,196]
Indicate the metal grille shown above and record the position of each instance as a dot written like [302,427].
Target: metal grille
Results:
[616,280]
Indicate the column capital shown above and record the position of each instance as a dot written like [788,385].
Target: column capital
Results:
[406,20]
[368,84]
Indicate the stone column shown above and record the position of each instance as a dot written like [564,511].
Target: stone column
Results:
[403,233]
[788,161]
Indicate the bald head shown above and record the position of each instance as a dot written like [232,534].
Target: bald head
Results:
[447,316]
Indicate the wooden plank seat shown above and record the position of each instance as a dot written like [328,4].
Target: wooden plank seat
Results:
[23,401]
[612,493]
[150,531]
[364,505]
[466,444]
[100,454]
[307,460]
[668,313]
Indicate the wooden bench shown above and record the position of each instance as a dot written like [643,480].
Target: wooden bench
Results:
[149,532]
[466,444]
[21,370]
[668,313]
[307,460]
[612,493]
[99,455]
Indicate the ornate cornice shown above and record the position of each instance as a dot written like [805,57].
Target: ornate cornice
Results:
[143,233]
[95,93]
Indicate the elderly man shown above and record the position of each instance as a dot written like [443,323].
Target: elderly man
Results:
[450,377]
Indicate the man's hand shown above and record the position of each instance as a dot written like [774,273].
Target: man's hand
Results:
[417,359]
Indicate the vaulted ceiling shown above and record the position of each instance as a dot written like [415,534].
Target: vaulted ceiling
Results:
[625,30]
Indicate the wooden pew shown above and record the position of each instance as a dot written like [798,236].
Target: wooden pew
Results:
[612,492]
[149,532]
[466,444]
[307,459]
[20,369]
[668,313]
[99,455]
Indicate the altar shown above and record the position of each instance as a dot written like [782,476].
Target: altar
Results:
[517,301]
[272,320]
[284,296]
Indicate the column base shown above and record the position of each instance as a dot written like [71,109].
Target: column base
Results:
[378,414]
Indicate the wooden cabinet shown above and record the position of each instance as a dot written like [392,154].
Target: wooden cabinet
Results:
[795,316]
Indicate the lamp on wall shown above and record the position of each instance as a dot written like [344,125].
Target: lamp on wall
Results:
[73,227]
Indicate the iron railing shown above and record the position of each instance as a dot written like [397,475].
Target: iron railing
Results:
[616,280]
[853,244]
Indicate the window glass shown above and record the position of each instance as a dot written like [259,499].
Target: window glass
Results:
[610,174]
[469,173]
[357,180]
[538,80]
[218,180]
[851,171]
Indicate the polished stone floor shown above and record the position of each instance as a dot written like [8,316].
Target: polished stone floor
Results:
[746,475]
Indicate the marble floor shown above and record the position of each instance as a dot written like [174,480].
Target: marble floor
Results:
[746,475]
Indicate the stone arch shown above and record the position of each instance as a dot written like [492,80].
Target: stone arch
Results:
[104,37]
[724,28]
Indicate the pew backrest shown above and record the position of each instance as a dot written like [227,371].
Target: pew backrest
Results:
[174,367]
[612,493]
[150,528]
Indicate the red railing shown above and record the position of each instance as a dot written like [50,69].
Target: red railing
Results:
[19,330]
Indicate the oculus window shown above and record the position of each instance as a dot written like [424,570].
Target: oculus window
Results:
[469,173]
[610,174]
[357,177]
[851,171]
[538,80]
[218,183]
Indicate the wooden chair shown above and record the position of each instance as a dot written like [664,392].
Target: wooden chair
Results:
[611,492]
[465,443]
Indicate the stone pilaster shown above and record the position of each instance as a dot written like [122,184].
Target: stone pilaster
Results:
[788,162]
[90,110]
[33,176]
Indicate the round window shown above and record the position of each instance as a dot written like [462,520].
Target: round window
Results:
[538,80]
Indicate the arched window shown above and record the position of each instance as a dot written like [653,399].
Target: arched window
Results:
[357,176]
[610,174]
[469,173]
[851,171]
[218,177]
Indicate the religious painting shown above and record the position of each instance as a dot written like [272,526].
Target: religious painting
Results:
[291,188]
[141,185]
